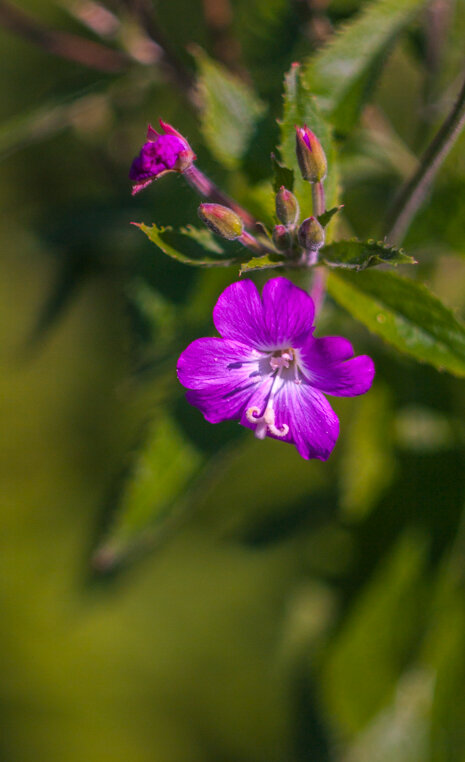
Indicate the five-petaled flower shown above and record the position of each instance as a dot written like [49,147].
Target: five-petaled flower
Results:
[163,152]
[269,372]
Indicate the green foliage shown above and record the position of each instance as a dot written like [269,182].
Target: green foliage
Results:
[358,255]
[230,111]
[267,262]
[193,241]
[325,218]
[405,314]
[281,175]
[343,73]
[301,108]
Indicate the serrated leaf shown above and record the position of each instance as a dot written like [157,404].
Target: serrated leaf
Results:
[268,262]
[230,110]
[342,74]
[282,175]
[300,108]
[325,218]
[163,469]
[358,255]
[189,246]
[404,313]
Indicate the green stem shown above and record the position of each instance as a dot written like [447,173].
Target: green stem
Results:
[413,193]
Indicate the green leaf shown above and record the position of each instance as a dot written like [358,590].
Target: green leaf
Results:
[281,175]
[358,255]
[405,314]
[325,218]
[165,467]
[230,110]
[342,74]
[188,245]
[267,262]
[301,108]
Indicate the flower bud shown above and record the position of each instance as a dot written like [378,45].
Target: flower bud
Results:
[282,238]
[221,220]
[311,235]
[163,152]
[287,207]
[310,155]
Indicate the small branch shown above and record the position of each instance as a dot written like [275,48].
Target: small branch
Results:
[205,187]
[414,192]
[63,44]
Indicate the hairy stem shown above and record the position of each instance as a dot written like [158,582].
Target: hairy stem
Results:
[318,288]
[205,187]
[318,199]
[414,192]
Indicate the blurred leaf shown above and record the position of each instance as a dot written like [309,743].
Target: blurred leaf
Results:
[230,110]
[342,74]
[281,175]
[364,659]
[405,314]
[267,262]
[367,462]
[196,242]
[325,218]
[162,471]
[301,108]
[358,255]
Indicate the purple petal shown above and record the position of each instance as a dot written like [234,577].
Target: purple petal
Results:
[238,315]
[221,376]
[313,424]
[327,367]
[288,311]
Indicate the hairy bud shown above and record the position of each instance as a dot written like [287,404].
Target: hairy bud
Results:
[310,155]
[287,207]
[221,220]
[311,234]
[282,238]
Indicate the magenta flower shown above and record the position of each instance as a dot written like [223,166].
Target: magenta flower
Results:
[269,372]
[162,153]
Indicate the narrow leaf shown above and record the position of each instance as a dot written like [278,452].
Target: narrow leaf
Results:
[190,246]
[405,314]
[268,262]
[342,74]
[230,110]
[281,175]
[325,218]
[358,255]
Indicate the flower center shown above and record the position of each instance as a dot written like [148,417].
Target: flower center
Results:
[283,364]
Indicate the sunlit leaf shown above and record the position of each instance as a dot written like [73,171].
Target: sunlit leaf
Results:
[342,74]
[358,255]
[404,313]
[230,110]
[191,246]
[267,262]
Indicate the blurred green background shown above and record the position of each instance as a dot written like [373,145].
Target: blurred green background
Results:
[181,592]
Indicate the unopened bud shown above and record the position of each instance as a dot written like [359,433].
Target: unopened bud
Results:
[221,220]
[311,235]
[310,155]
[282,238]
[287,207]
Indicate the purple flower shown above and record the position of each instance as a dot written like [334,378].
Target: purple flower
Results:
[269,372]
[162,153]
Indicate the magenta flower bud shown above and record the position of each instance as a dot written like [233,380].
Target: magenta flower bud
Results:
[221,220]
[163,152]
[311,235]
[310,155]
[287,207]
[282,238]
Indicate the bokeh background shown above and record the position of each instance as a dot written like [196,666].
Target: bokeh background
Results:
[173,591]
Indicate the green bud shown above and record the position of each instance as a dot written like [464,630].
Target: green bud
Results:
[311,235]
[287,207]
[282,238]
[310,155]
[221,220]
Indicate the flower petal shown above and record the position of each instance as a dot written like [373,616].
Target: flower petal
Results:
[238,315]
[313,424]
[326,365]
[221,376]
[288,311]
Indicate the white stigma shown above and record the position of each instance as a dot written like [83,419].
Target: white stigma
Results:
[266,421]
